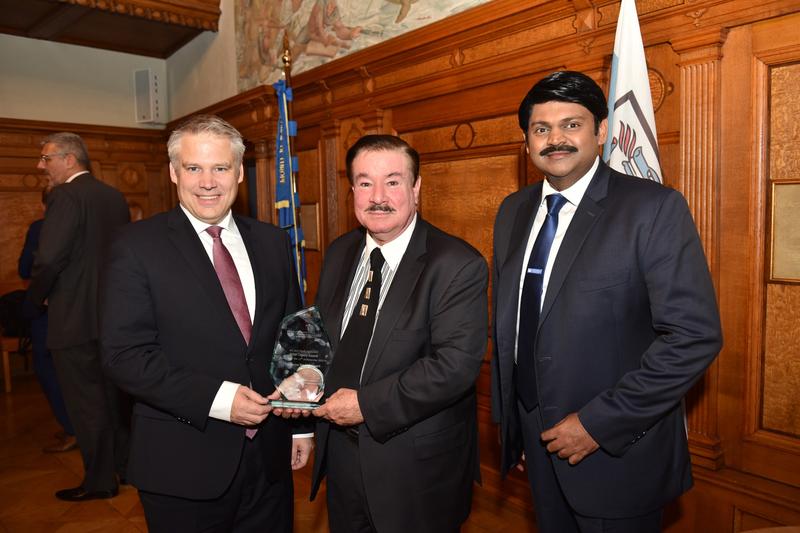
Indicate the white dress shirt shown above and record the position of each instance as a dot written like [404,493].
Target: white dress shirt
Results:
[574,195]
[69,179]
[392,252]
[232,239]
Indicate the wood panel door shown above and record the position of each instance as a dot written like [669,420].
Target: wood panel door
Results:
[759,298]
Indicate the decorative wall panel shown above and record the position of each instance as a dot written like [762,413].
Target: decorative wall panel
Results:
[781,390]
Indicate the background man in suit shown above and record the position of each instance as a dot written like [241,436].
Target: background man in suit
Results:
[82,213]
[397,436]
[192,299]
[42,358]
[597,341]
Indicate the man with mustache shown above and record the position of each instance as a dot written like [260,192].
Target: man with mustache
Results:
[604,317]
[405,306]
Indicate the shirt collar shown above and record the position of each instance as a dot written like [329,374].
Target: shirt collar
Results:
[393,250]
[69,179]
[574,193]
[200,227]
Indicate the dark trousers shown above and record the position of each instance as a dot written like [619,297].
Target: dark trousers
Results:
[252,503]
[553,512]
[96,411]
[46,373]
[348,511]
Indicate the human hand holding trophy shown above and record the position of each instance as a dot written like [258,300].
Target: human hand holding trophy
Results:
[300,361]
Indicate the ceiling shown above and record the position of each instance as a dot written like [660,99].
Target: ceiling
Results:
[142,27]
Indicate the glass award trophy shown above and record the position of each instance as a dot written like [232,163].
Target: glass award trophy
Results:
[300,360]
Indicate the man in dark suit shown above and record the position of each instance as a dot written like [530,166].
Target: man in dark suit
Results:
[192,299]
[604,317]
[405,306]
[82,212]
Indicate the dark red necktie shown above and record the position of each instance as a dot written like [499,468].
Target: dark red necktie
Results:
[231,284]
[234,292]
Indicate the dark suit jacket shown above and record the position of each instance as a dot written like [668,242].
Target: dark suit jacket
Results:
[169,338]
[418,445]
[81,217]
[629,322]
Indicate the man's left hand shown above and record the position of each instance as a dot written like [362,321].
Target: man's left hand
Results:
[301,451]
[341,408]
[570,440]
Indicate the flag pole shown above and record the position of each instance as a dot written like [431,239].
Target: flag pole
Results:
[286,57]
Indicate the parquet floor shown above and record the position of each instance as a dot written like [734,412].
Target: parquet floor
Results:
[29,478]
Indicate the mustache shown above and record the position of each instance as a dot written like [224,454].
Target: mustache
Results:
[380,207]
[557,148]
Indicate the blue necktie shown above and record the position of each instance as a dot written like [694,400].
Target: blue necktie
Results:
[530,304]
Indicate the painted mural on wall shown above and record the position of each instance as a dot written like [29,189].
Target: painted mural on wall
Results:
[322,30]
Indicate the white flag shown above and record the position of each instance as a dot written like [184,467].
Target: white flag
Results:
[632,144]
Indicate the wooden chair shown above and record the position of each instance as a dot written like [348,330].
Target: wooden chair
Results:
[19,345]
[7,347]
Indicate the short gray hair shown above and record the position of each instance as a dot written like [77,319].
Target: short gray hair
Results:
[70,143]
[206,124]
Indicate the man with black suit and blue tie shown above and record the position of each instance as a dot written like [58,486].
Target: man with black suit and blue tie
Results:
[192,299]
[604,317]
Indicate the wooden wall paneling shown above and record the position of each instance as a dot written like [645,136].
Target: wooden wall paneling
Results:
[780,411]
[781,369]
[700,92]
[766,452]
[17,210]
[124,157]
[741,238]
[333,175]
[309,185]
[452,90]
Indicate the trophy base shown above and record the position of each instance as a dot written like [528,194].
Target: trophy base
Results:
[289,404]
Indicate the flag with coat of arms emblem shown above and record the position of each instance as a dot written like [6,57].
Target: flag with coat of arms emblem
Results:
[632,144]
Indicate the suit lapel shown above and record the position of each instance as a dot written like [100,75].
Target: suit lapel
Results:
[348,270]
[187,242]
[508,289]
[258,265]
[582,222]
[401,289]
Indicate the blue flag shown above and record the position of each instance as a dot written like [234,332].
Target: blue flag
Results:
[287,201]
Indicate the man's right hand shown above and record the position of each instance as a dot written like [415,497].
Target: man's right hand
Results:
[249,408]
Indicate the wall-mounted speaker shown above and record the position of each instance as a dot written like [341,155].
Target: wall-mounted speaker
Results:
[147,96]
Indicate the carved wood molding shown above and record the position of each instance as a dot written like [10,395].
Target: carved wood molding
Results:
[505,40]
[253,113]
[203,14]
[700,93]
[329,153]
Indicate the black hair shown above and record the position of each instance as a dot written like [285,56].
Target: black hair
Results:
[565,86]
[376,143]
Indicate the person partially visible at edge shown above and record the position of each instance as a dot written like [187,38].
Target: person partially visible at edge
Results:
[43,364]
[82,214]
[604,317]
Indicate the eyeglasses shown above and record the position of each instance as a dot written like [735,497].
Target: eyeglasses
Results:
[47,157]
